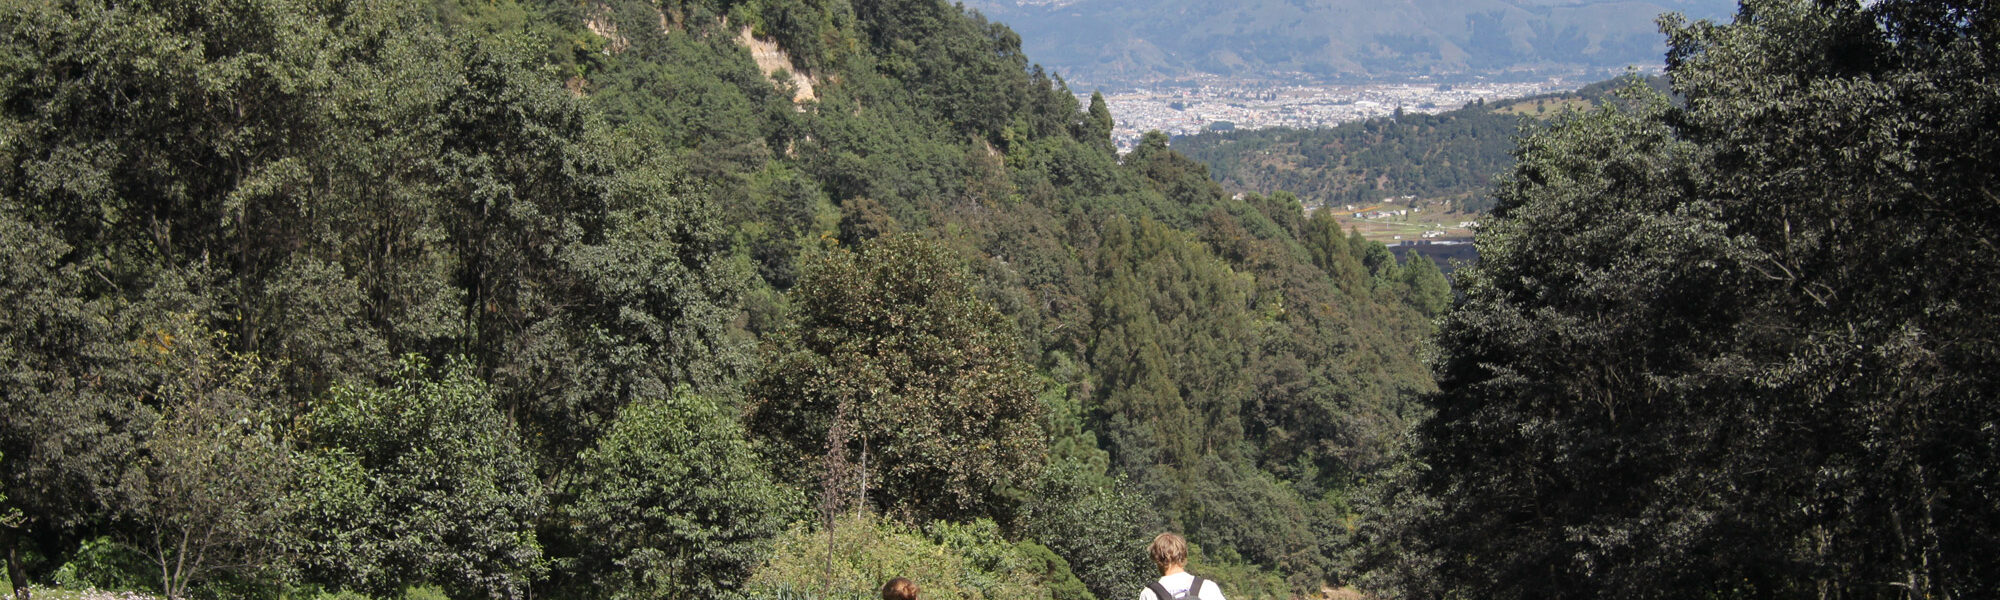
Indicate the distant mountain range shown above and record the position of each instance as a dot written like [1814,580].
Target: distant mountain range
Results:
[1108,43]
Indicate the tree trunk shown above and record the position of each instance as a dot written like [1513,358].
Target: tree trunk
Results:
[10,540]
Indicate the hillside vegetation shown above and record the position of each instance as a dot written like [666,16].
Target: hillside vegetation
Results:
[497,299]
[485,299]
[1738,348]
[1451,157]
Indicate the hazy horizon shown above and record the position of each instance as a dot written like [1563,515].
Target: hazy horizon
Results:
[1119,44]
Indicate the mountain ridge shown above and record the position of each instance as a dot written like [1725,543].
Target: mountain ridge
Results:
[1128,42]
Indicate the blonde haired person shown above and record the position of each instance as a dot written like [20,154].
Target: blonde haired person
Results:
[1170,553]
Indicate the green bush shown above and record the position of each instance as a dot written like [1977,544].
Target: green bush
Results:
[105,563]
[421,481]
[1099,525]
[1239,578]
[789,593]
[1004,569]
[1063,584]
[953,562]
[315,592]
[424,592]
[673,474]
[337,595]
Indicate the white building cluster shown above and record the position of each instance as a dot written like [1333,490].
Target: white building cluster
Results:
[1193,109]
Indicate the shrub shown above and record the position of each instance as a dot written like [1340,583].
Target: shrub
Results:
[106,564]
[672,503]
[954,562]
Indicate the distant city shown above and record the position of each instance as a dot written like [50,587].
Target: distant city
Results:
[1192,108]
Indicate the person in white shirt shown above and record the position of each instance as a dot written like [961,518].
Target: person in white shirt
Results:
[1170,552]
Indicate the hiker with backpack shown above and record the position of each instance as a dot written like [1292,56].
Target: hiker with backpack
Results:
[1170,552]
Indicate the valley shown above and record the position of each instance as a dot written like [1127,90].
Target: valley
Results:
[1424,175]
[1219,104]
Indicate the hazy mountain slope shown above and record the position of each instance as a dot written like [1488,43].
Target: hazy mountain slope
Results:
[1451,156]
[1110,41]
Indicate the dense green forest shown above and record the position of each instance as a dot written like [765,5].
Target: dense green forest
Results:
[1451,156]
[1738,347]
[776,299]
[704,298]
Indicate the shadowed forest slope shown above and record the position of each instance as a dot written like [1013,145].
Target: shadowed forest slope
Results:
[509,299]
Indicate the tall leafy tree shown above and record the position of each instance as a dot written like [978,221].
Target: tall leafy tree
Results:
[672,501]
[1097,127]
[212,498]
[1579,389]
[422,481]
[73,423]
[359,184]
[1888,103]
[893,364]
[1424,286]
[1703,353]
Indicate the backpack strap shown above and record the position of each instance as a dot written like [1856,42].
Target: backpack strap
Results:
[1159,591]
[1194,591]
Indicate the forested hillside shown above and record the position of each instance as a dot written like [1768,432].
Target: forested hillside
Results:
[1740,348]
[704,298]
[1451,156]
[778,299]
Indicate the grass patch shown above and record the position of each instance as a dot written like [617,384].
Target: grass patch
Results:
[1410,227]
[1546,107]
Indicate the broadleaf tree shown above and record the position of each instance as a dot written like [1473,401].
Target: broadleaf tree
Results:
[1740,346]
[891,361]
[672,502]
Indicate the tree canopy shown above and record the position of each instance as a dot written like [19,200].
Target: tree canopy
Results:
[1735,348]
[534,298]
